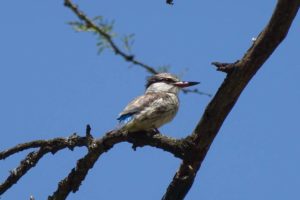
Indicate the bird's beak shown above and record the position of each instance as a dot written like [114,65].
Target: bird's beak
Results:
[183,84]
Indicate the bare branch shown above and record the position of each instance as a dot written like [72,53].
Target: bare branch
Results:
[70,142]
[32,158]
[96,147]
[225,98]
[72,182]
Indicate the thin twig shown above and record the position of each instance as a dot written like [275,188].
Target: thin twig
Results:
[196,91]
[127,57]
[89,23]
[66,142]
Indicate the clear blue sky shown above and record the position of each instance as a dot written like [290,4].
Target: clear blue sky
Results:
[53,83]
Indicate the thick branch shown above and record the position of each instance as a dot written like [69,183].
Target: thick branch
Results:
[227,95]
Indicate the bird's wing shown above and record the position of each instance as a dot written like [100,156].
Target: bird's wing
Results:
[137,105]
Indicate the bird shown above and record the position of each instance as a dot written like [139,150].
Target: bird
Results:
[156,107]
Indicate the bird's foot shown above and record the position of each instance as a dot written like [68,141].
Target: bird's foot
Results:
[156,131]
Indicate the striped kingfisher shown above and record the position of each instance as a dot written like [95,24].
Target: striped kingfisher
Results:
[156,107]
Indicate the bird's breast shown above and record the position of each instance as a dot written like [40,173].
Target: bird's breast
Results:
[161,111]
[157,113]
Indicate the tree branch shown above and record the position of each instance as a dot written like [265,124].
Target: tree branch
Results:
[96,147]
[32,158]
[30,161]
[229,92]
[70,142]
[108,38]
[72,182]
[127,57]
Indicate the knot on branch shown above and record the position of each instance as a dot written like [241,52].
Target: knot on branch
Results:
[189,148]
[129,57]
[71,142]
[225,67]
[89,138]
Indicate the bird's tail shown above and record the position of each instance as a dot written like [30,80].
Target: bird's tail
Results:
[123,120]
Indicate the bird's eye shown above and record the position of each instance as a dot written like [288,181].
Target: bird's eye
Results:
[169,80]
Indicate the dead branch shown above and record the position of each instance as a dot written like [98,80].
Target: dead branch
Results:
[72,182]
[96,147]
[238,77]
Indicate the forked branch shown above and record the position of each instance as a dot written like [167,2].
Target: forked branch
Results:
[96,147]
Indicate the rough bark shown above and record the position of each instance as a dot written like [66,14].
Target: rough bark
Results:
[238,76]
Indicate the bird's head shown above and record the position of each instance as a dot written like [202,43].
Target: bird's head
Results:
[165,82]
